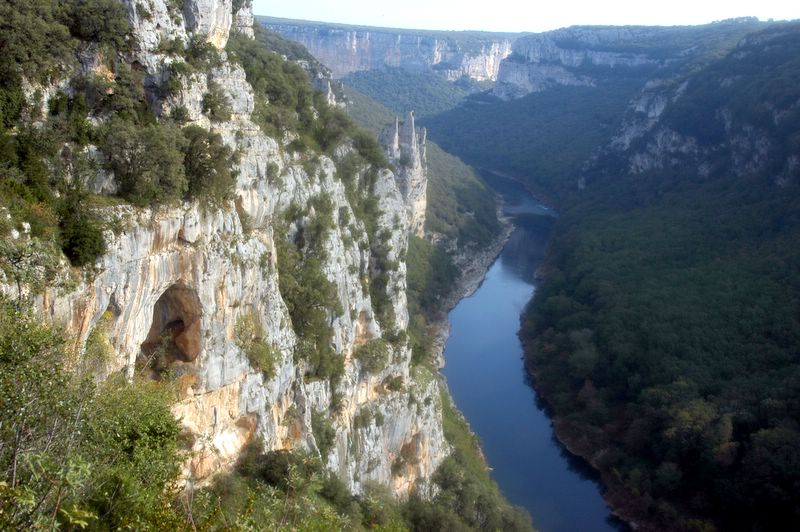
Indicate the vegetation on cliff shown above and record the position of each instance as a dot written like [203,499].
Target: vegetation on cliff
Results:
[77,453]
[460,210]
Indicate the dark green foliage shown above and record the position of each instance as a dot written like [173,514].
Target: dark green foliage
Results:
[373,355]
[29,183]
[308,293]
[208,165]
[331,126]
[366,146]
[336,492]
[103,21]
[276,490]
[39,35]
[147,161]
[324,433]
[425,93]
[525,138]
[285,470]
[460,205]
[122,98]
[201,55]
[431,275]
[250,337]
[382,269]
[216,103]
[284,98]
[666,331]
[35,41]
[81,234]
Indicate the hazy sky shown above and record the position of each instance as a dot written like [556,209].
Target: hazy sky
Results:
[529,15]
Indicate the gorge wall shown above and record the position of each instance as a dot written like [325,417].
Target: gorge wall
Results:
[404,144]
[206,278]
[585,55]
[349,49]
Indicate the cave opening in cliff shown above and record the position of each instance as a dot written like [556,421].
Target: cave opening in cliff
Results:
[174,340]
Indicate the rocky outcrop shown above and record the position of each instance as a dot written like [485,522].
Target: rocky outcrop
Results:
[690,123]
[558,57]
[349,49]
[404,145]
[155,22]
[586,55]
[191,275]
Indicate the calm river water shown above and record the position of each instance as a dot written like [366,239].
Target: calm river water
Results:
[488,382]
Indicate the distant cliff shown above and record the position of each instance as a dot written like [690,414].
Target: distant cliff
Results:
[582,55]
[700,126]
[348,49]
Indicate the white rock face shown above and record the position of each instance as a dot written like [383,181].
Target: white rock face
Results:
[196,272]
[405,147]
[211,18]
[154,22]
[543,60]
[519,79]
[349,50]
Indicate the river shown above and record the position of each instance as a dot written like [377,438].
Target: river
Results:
[488,382]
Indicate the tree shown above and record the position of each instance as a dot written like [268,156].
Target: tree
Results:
[216,103]
[147,161]
[208,162]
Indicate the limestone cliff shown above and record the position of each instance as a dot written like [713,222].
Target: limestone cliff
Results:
[404,144]
[585,55]
[195,274]
[348,49]
[692,122]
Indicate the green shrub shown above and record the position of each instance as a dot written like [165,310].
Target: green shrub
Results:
[81,233]
[373,355]
[208,162]
[287,470]
[284,98]
[36,41]
[324,433]
[250,338]
[147,161]
[108,456]
[179,114]
[99,21]
[309,295]
[201,54]
[393,383]
[216,103]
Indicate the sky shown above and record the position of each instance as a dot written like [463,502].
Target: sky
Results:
[517,16]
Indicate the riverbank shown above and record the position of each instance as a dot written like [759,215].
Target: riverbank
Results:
[576,442]
[473,266]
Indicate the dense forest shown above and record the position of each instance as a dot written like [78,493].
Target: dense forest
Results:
[666,333]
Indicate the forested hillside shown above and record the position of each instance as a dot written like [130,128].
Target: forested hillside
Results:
[666,333]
